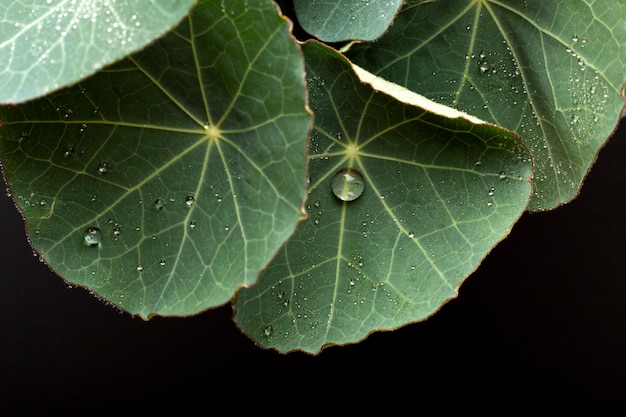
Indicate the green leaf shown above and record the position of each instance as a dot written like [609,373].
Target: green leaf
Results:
[438,194]
[47,45]
[340,20]
[551,70]
[188,158]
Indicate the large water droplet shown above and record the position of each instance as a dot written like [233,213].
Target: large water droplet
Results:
[347,184]
[92,236]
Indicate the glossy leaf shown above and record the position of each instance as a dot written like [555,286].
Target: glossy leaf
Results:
[170,179]
[438,194]
[46,45]
[550,70]
[341,20]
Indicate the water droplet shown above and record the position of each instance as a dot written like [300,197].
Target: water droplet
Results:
[267,330]
[68,151]
[139,267]
[491,190]
[159,203]
[189,200]
[483,66]
[347,184]
[574,38]
[411,235]
[192,224]
[92,236]
[104,167]
[162,262]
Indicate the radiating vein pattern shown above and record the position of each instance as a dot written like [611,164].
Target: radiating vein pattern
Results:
[171,178]
[552,71]
[438,194]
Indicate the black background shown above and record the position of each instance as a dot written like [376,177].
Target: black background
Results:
[543,318]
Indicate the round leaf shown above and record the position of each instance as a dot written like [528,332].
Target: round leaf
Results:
[341,20]
[428,199]
[51,44]
[552,71]
[168,180]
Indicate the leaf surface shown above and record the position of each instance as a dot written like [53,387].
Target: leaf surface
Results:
[51,44]
[168,180]
[552,71]
[434,196]
[341,20]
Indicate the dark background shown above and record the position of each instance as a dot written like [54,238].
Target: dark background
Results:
[542,321]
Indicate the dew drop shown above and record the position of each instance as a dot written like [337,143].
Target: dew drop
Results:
[159,204]
[411,235]
[104,167]
[92,236]
[189,200]
[483,66]
[347,184]
[139,267]
[192,224]
[267,330]
[162,262]
[68,151]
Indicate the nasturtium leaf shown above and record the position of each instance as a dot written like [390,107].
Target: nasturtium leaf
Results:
[437,194]
[342,20]
[550,70]
[168,180]
[49,44]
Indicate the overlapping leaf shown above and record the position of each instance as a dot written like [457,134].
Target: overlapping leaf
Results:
[168,180]
[550,70]
[46,45]
[340,20]
[438,194]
